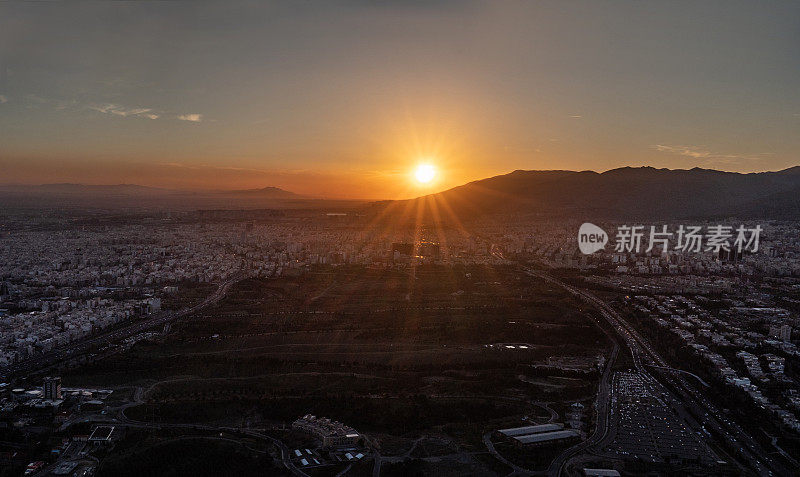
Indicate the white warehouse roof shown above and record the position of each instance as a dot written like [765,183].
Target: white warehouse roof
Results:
[521,431]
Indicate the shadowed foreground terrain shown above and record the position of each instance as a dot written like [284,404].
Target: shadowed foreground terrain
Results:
[447,353]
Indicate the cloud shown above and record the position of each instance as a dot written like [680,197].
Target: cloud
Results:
[576,116]
[114,109]
[118,110]
[195,118]
[3,99]
[710,157]
[689,151]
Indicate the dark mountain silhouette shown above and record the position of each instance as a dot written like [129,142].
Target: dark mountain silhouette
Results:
[137,196]
[628,192]
[266,192]
[71,188]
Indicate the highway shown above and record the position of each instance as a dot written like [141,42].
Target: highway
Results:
[118,333]
[602,402]
[673,370]
[747,449]
[643,355]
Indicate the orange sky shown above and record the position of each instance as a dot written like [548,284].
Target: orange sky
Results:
[342,100]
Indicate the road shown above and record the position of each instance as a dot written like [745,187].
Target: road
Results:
[602,401]
[257,433]
[487,441]
[747,449]
[673,370]
[118,333]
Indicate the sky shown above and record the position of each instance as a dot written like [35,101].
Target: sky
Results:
[343,99]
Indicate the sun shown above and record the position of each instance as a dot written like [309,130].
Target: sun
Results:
[425,173]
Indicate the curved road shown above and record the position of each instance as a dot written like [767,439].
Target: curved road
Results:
[748,449]
[674,370]
[602,402]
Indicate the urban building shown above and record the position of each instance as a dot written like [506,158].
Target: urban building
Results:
[52,388]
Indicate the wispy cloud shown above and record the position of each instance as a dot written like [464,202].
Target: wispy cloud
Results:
[3,99]
[118,110]
[710,157]
[576,116]
[689,151]
[114,109]
[195,118]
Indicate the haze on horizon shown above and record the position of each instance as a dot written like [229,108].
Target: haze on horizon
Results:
[343,99]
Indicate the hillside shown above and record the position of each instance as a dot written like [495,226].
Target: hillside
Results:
[643,192]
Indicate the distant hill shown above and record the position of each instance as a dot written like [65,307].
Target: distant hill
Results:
[68,195]
[265,192]
[628,192]
[70,188]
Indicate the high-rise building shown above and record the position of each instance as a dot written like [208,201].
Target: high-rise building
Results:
[429,250]
[783,332]
[402,248]
[402,251]
[52,388]
[786,333]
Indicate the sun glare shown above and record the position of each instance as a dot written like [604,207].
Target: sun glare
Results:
[425,173]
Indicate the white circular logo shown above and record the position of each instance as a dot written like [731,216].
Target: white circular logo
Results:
[591,238]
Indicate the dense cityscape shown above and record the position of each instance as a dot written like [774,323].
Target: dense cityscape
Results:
[704,340]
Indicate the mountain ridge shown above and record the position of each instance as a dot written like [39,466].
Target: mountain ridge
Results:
[76,187]
[626,192]
[134,196]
